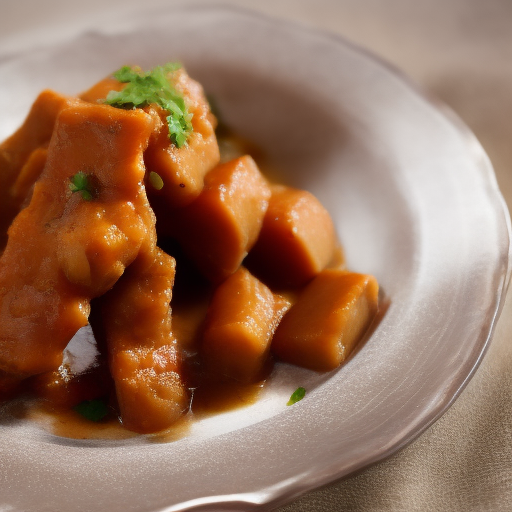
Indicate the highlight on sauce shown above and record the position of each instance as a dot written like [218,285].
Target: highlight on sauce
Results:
[118,211]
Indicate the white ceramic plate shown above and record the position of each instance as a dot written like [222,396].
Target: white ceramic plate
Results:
[415,203]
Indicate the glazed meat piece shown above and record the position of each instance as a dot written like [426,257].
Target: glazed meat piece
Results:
[180,170]
[219,228]
[240,323]
[330,316]
[63,388]
[133,321]
[67,247]
[16,150]
[297,239]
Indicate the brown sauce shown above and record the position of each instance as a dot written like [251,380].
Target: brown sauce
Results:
[67,423]
[219,397]
[208,397]
[213,399]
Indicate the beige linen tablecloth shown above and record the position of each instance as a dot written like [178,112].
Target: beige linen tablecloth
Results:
[460,51]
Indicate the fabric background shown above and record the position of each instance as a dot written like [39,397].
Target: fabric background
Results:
[461,52]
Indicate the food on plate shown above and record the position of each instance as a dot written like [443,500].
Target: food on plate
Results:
[241,320]
[327,320]
[296,240]
[181,114]
[62,250]
[218,229]
[18,149]
[133,322]
[113,198]
[62,388]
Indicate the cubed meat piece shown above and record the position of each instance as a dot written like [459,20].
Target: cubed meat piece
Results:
[330,316]
[175,176]
[297,239]
[182,170]
[240,322]
[134,322]
[219,228]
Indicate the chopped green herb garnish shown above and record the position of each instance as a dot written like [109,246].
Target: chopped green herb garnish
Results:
[93,410]
[297,395]
[144,88]
[80,183]
[126,74]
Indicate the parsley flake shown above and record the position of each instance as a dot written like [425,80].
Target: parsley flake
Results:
[144,88]
[92,410]
[80,183]
[297,396]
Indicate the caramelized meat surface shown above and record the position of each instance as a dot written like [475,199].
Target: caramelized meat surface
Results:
[64,250]
[135,322]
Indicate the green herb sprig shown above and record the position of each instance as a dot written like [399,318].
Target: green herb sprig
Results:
[92,410]
[145,88]
[297,396]
[80,183]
